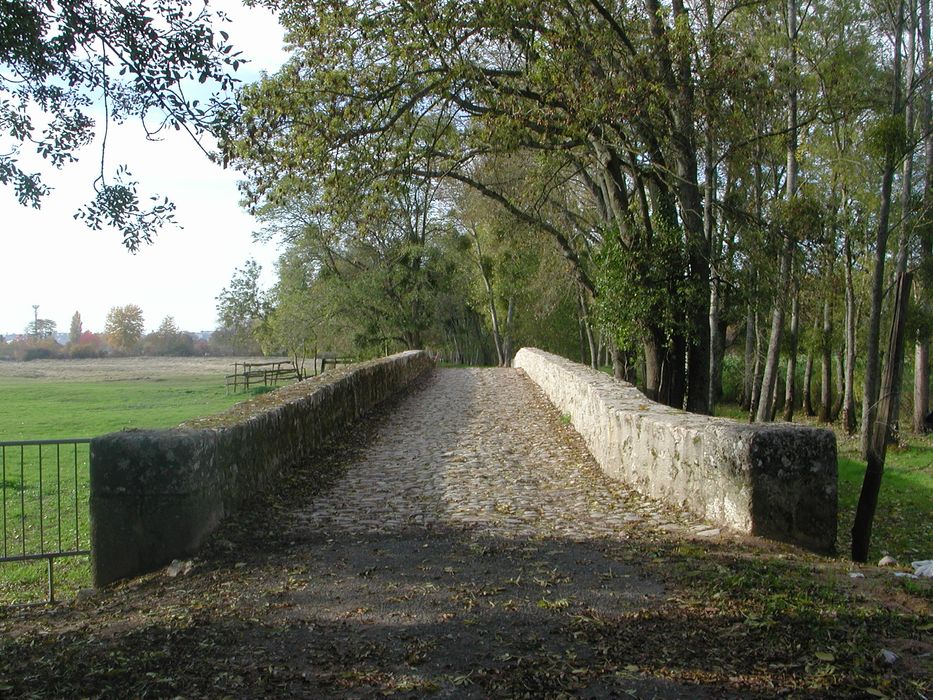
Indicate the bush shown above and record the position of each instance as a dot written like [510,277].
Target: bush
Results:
[82,351]
[30,349]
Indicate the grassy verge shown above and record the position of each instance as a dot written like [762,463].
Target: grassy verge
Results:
[42,408]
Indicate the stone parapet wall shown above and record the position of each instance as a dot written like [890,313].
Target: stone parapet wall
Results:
[775,480]
[156,494]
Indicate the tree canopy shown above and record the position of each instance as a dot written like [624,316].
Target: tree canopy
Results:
[68,70]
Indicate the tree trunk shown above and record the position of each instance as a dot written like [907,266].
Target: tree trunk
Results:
[790,378]
[840,384]
[904,231]
[748,369]
[717,344]
[921,385]
[769,378]
[877,442]
[507,342]
[787,254]
[618,362]
[922,343]
[870,390]
[808,386]
[582,339]
[826,377]
[653,361]
[756,383]
[490,299]
[848,400]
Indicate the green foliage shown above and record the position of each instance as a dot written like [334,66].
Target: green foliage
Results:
[40,329]
[74,332]
[140,58]
[886,138]
[644,288]
[124,328]
[243,308]
[168,340]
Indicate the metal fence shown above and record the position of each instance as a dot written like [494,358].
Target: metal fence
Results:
[44,502]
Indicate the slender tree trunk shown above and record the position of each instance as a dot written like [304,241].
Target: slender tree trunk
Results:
[618,362]
[790,378]
[507,342]
[877,443]
[787,254]
[808,385]
[904,231]
[769,377]
[588,330]
[490,299]
[748,369]
[870,390]
[826,377]
[756,383]
[653,361]
[716,343]
[921,385]
[922,342]
[582,340]
[840,384]
[714,243]
[848,400]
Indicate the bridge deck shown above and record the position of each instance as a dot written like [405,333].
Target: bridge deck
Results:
[482,451]
[467,546]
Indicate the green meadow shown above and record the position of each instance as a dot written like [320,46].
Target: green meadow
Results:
[79,399]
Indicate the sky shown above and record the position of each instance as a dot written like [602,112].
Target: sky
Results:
[50,259]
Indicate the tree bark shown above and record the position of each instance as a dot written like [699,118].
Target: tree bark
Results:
[870,390]
[840,384]
[769,377]
[618,362]
[790,378]
[848,400]
[904,231]
[748,369]
[490,298]
[808,385]
[877,442]
[787,253]
[756,383]
[921,385]
[826,377]
[507,341]
[922,342]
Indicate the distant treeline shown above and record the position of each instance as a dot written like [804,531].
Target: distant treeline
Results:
[91,345]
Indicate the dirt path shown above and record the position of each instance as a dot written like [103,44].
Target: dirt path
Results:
[461,543]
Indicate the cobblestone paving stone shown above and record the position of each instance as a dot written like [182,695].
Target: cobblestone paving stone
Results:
[483,449]
[462,543]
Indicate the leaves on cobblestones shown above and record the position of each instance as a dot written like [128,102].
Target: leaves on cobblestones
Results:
[555,602]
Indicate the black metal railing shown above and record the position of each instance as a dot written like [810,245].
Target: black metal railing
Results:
[44,501]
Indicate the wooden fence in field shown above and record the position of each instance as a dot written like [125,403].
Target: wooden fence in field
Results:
[254,374]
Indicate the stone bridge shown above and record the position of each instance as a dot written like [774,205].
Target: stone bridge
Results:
[461,541]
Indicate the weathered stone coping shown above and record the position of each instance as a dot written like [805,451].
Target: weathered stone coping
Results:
[156,494]
[775,480]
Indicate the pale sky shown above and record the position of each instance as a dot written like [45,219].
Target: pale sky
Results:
[48,258]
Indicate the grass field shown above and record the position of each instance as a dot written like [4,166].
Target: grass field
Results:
[903,524]
[55,399]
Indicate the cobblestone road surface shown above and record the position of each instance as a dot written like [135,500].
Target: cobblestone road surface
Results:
[483,449]
[462,543]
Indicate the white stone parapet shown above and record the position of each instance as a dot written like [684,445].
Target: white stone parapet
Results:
[777,480]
